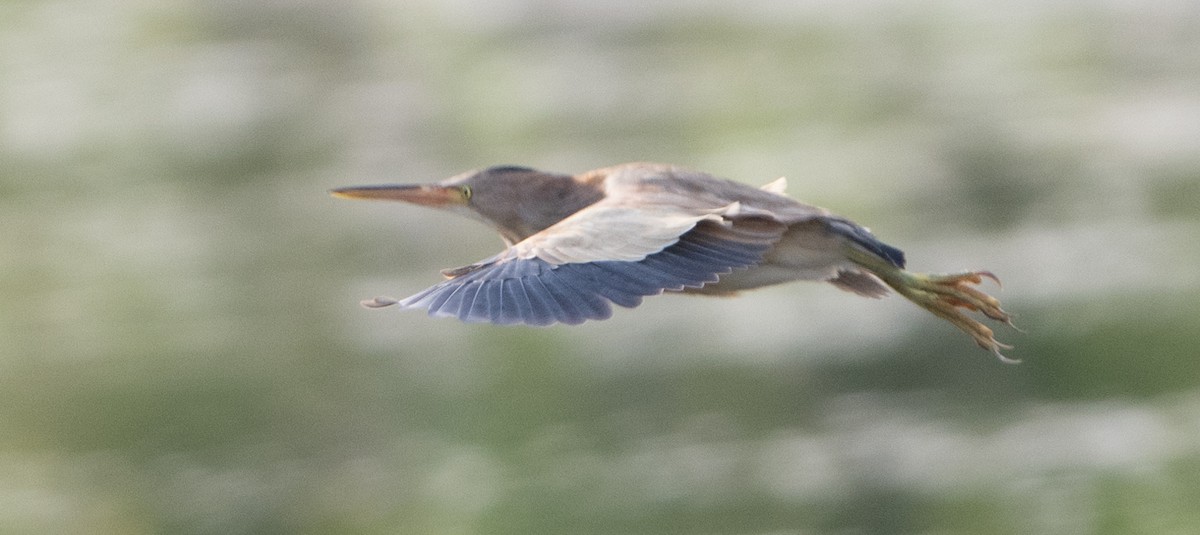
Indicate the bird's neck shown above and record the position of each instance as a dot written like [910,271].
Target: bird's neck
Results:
[544,202]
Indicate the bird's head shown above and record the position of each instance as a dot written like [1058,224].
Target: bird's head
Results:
[516,201]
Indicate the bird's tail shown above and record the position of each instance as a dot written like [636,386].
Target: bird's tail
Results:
[864,238]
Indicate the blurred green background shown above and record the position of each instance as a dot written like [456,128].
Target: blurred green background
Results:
[182,350]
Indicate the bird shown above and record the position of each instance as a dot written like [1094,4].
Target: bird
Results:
[576,244]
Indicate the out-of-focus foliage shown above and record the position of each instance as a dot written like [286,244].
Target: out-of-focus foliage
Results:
[181,350]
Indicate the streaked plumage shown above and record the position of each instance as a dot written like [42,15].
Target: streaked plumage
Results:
[618,234]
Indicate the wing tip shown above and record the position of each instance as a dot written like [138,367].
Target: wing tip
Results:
[379,302]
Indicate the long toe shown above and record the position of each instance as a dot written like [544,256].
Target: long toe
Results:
[947,296]
[959,289]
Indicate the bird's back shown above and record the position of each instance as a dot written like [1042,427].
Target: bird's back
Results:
[650,184]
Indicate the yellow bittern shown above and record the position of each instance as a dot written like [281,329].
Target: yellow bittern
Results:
[614,235]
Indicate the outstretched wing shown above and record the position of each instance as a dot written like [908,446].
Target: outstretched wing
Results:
[558,276]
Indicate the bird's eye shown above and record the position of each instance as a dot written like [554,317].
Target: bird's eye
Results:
[466,192]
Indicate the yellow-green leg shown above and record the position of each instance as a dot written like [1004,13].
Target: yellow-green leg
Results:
[943,295]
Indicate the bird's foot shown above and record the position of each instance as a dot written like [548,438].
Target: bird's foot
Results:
[945,295]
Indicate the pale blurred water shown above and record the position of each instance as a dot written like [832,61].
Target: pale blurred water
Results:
[181,349]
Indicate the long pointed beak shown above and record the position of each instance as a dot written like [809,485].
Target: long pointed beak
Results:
[432,195]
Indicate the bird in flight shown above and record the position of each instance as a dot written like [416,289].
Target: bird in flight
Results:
[577,243]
